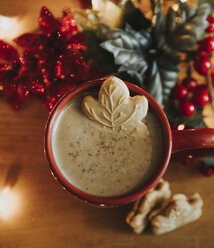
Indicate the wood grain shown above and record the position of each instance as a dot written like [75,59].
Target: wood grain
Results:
[48,216]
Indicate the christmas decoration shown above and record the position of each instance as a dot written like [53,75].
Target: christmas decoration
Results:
[147,51]
[51,63]
[143,48]
[201,98]
[180,92]
[202,64]
[208,44]
[187,108]
[210,28]
[190,83]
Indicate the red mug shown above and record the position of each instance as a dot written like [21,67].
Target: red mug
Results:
[199,142]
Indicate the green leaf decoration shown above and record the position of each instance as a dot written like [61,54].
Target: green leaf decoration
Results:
[161,79]
[156,9]
[211,2]
[170,20]
[139,55]
[155,88]
[174,117]
[100,57]
[162,75]
[168,60]
[134,17]
[158,31]
[146,52]
[128,47]
[184,35]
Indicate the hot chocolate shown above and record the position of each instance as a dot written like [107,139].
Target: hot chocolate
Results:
[104,157]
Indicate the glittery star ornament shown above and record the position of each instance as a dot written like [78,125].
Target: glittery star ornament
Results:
[51,63]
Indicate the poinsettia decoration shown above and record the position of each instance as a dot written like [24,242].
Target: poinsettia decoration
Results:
[148,51]
[51,62]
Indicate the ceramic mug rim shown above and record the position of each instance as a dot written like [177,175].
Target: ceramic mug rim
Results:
[115,200]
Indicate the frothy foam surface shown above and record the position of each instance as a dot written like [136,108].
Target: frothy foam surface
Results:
[100,161]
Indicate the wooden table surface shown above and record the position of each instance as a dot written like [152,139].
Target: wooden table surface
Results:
[43,215]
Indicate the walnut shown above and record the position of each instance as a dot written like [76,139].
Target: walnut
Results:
[176,212]
[138,217]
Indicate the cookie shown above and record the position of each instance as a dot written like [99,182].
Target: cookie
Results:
[115,109]
[138,217]
[179,210]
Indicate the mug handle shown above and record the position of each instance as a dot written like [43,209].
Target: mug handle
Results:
[197,142]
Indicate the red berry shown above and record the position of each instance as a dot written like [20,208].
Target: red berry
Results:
[205,170]
[180,92]
[202,64]
[210,28]
[208,44]
[201,98]
[187,108]
[190,83]
[210,19]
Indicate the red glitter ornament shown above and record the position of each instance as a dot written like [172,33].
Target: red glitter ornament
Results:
[5,71]
[68,64]
[64,89]
[50,104]
[23,88]
[9,90]
[51,63]
[31,41]
[8,53]
[37,88]
[68,24]
[47,23]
